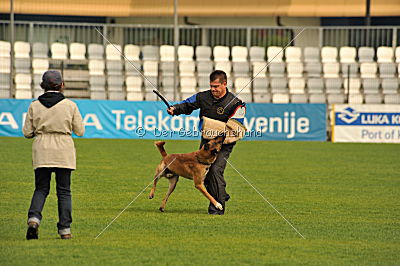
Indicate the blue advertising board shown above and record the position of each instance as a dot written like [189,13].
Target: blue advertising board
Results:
[149,120]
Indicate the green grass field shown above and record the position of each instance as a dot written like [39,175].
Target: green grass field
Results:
[344,198]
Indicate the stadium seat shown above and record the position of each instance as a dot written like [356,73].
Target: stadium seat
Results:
[384,54]
[95,51]
[188,85]
[150,68]
[150,53]
[355,98]
[257,54]
[241,69]
[333,85]
[259,69]
[391,98]
[150,83]
[167,83]
[167,68]
[204,68]
[294,70]
[132,52]
[317,98]
[298,98]
[313,69]
[335,98]
[224,66]
[40,50]
[390,86]
[185,53]
[373,98]
[293,54]
[204,83]
[280,98]
[203,53]
[133,84]
[368,70]
[77,51]
[23,89]
[387,70]
[349,70]
[347,54]
[297,86]
[59,51]
[242,85]
[5,49]
[329,54]
[114,67]
[132,68]
[22,65]
[315,85]
[262,97]
[239,54]
[116,95]
[115,83]
[366,54]
[98,95]
[134,96]
[397,53]
[5,82]
[187,69]
[96,67]
[275,54]
[40,65]
[311,55]
[5,65]
[279,85]
[260,85]
[371,85]
[276,69]
[353,83]
[22,50]
[221,53]
[331,70]
[97,83]
[113,52]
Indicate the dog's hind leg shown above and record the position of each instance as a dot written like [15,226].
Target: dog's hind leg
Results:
[157,175]
[172,184]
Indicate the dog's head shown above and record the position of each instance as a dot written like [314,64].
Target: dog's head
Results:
[214,146]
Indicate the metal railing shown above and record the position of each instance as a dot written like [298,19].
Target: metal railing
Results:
[201,35]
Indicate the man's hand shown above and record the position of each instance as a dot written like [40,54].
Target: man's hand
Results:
[171,110]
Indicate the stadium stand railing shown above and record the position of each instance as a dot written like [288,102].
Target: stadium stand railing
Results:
[331,65]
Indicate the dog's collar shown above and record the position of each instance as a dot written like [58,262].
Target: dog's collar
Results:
[198,160]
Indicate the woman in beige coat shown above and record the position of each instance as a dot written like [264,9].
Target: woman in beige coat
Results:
[50,121]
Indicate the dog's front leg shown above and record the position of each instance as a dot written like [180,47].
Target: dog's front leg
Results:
[198,183]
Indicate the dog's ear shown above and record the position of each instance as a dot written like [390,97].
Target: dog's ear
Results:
[206,146]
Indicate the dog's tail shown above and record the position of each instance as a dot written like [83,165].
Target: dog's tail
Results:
[160,146]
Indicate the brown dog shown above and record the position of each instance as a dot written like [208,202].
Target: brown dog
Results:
[192,165]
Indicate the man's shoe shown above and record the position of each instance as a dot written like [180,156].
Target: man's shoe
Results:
[227,197]
[33,231]
[67,236]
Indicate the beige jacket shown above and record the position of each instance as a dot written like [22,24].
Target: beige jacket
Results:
[52,127]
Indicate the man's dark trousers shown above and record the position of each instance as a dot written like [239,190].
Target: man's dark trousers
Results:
[42,189]
[215,182]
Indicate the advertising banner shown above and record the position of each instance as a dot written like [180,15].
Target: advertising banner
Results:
[366,123]
[149,120]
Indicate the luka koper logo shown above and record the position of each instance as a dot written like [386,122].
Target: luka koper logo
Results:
[220,110]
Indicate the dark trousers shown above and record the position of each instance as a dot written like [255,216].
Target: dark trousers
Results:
[42,189]
[215,182]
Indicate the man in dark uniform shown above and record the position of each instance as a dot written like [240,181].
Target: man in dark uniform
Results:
[218,104]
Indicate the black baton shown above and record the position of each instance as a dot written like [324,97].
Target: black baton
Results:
[162,98]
